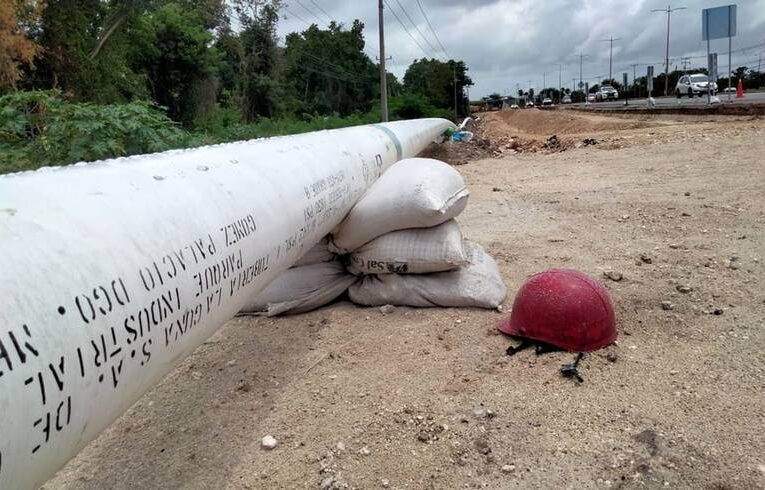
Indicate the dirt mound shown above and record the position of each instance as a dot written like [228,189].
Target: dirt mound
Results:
[545,123]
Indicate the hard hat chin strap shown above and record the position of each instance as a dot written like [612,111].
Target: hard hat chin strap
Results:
[539,347]
[571,371]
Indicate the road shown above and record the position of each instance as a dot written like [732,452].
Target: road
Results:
[751,98]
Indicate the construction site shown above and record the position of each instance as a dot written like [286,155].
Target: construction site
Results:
[663,210]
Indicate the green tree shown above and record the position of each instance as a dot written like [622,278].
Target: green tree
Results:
[437,81]
[328,71]
[259,81]
[172,48]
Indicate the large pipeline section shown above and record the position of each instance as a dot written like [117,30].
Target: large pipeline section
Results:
[112,272]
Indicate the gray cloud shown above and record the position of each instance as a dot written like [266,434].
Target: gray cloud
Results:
[509,42]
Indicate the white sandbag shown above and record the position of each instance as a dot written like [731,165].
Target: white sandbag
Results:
[302,289]
[476,284]
[413,251]
[412,193]
[317,254]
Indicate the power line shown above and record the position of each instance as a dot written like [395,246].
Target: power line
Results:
[405,29]
[322,10]
[415,26]
[309,24]
[310,12]
[430,26]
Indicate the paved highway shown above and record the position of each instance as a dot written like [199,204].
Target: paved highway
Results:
[750,98]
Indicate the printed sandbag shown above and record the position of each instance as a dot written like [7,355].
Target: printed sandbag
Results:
[477,284]
[413,251]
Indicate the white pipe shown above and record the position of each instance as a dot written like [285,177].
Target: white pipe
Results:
[112,272]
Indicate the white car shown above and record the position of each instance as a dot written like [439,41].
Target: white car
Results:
[606,92]
[591,98]
[514,106]
[547,101]
[567,99]
[696,84]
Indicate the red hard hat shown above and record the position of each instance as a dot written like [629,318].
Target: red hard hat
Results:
[565,308]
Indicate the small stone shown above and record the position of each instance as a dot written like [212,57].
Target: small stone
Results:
[626,216]
[683,289]
[458,321]
[733,265]
[717,311]
[340,446]
[364,451]
[614,275]
[196,375]
[232,362]
[423,436]
[674,246]
[646,259]
[496,189]
[328,483]
[508,468]
[387,309]
[268,442]
[612,357]
[667,305]
[385,483]
[490,211]
[761,467]
[687,194]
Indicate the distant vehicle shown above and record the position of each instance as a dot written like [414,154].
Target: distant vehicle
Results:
[696,84]
[729,90]
[514,106]
[606,92]
[591,98]
[567,99]
[529,104]
[547,101]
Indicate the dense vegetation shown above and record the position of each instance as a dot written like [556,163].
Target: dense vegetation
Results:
[90,79]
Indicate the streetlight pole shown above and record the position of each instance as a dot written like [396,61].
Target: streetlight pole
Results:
[383,76]
[611,40]
[668,11]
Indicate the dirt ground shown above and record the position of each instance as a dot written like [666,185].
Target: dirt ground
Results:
[358,399]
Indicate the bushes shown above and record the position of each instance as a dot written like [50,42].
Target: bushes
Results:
[40,129]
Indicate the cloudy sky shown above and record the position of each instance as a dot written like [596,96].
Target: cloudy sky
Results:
[506,43]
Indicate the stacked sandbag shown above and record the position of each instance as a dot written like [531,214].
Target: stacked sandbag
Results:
[404,242]
[398,245]
[413,251]
[412,193]
[478,284]
[317,278]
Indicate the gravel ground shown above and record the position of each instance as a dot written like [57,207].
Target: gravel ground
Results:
[427,399]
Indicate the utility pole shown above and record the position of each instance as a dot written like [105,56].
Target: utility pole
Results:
[634,78]
[544,82]
[383,76]
[581,82]
[560,81]
[668,11]
[611,40]
[454,81]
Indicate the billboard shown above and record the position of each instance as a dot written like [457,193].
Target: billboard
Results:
[718,22]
